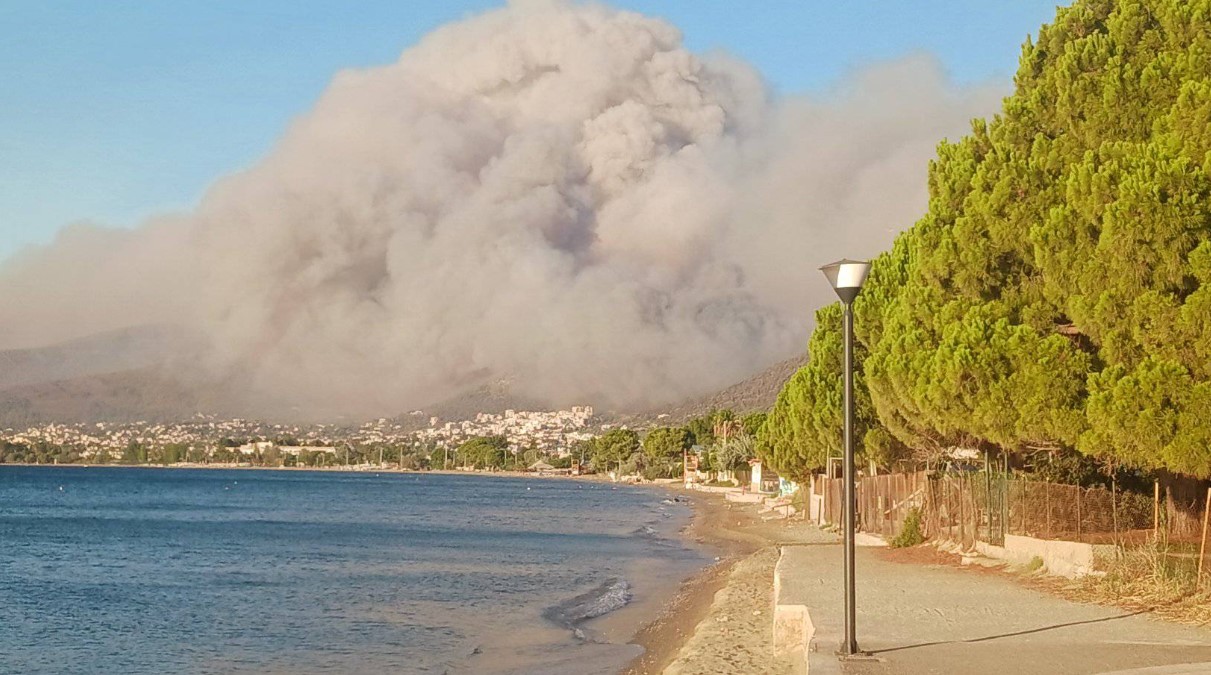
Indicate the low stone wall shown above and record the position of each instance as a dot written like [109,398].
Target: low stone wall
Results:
[815,508]
[713,488]
[1064,558]
[777,508]
[793,627]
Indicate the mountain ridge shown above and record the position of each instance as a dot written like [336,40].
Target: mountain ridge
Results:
[126,376]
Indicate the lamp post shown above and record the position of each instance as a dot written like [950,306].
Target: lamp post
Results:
[846,278]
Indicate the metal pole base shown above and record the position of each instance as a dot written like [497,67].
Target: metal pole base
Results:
[856,656]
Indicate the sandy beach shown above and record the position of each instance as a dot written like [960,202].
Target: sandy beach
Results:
[721,620]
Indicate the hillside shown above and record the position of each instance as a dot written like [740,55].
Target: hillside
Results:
[755,393]
[492,397]
[122,376]
[134,395]
[104,353]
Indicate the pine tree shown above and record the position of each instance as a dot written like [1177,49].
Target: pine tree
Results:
[1056,293]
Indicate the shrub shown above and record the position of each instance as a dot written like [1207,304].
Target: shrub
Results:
[910,533]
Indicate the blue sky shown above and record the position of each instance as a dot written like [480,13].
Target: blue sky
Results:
[116,110]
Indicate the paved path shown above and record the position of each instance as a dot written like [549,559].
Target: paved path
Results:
[916,619]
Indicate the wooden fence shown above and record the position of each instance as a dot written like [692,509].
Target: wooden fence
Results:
[883,501]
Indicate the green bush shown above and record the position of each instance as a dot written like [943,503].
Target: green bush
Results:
[663,469]
[910,533]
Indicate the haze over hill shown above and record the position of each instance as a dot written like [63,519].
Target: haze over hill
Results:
[558,195]
[126,376]
[104,353]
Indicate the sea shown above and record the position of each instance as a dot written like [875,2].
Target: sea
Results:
[146,570]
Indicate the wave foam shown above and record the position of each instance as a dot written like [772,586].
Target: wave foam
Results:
[610,595]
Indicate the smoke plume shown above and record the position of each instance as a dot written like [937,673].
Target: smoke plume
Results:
[558,194]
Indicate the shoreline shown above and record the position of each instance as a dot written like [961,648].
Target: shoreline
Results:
[702,609]
[663,637]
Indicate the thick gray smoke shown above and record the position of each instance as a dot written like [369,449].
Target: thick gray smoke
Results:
[557,194]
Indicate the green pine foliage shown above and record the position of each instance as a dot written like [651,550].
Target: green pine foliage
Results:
[1057,293]
[803,429]
[614,448]
[666,443]
[483,452]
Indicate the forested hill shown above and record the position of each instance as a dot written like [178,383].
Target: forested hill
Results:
[756,393]
[1057,293]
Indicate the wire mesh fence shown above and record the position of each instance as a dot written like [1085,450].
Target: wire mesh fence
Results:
[1047,510]
[988,505]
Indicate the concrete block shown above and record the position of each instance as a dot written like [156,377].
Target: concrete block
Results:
[793,627]
[1064,558]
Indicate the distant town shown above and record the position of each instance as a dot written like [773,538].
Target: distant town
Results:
[208,439]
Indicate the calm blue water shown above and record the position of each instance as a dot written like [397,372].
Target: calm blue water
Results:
[127,570]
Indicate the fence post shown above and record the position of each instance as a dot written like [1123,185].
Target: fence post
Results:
[988,493]
[1202,550]
[1078,512]
[1156,508]
[985,509]
[951,508]
[1024,503]
[942,493]
[928,509]
[1114,511]
[1167,521]
[1005,500]
[955,522]
[963,510]
[1047,499]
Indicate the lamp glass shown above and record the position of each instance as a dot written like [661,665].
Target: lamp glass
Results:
[846,277]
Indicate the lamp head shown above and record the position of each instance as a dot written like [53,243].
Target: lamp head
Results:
[846,277]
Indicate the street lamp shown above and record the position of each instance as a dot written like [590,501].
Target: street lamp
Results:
[846,278]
